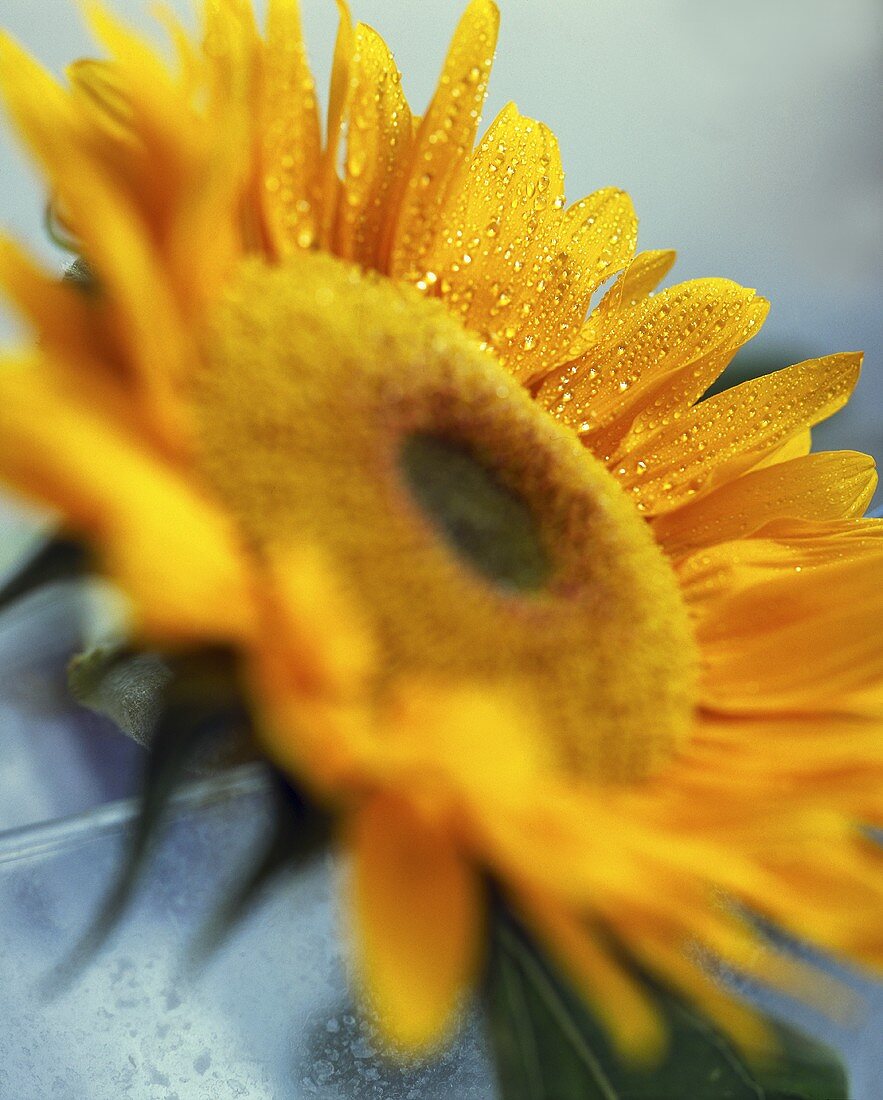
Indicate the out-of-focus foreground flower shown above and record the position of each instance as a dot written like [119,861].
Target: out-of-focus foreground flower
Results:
[538,625]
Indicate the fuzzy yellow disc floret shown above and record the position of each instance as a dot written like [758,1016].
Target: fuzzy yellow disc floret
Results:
[485,542]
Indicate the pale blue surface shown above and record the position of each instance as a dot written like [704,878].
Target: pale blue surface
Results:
[269,1019]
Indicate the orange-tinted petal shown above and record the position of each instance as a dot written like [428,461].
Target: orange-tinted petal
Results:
[792,622]
[417,915]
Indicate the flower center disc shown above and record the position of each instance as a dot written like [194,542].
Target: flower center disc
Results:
[484,541]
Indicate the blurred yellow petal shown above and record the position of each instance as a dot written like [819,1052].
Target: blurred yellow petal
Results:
[170,549]
[762,606]
[290,138]
[328,645]
[129,49]
[619,998]
[99,93]
[417,915]
[185,182]
[129,271]
[62,315]
[40,110]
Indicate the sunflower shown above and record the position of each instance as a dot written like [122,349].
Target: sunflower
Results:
[512,598]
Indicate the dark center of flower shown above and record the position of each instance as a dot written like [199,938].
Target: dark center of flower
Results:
[487,523]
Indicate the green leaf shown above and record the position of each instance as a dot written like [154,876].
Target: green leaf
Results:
[548,1046]
[129,688]
[80,274]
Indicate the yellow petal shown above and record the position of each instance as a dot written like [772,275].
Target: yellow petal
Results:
[486,740]
[686,386]
[724,436]
[799,445]
[504,219]
[63,316]
[141,307]
[417,915]
[444,140]
[379,138]
[39,108]
[141,66]
[206,234]
[71,328]
[291,142]
[516,267]
[169,548]
[327,646]
[639,279]
[824,486]
[573,256]
[185,185]
[99,93]
[337,104]
[659,354]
